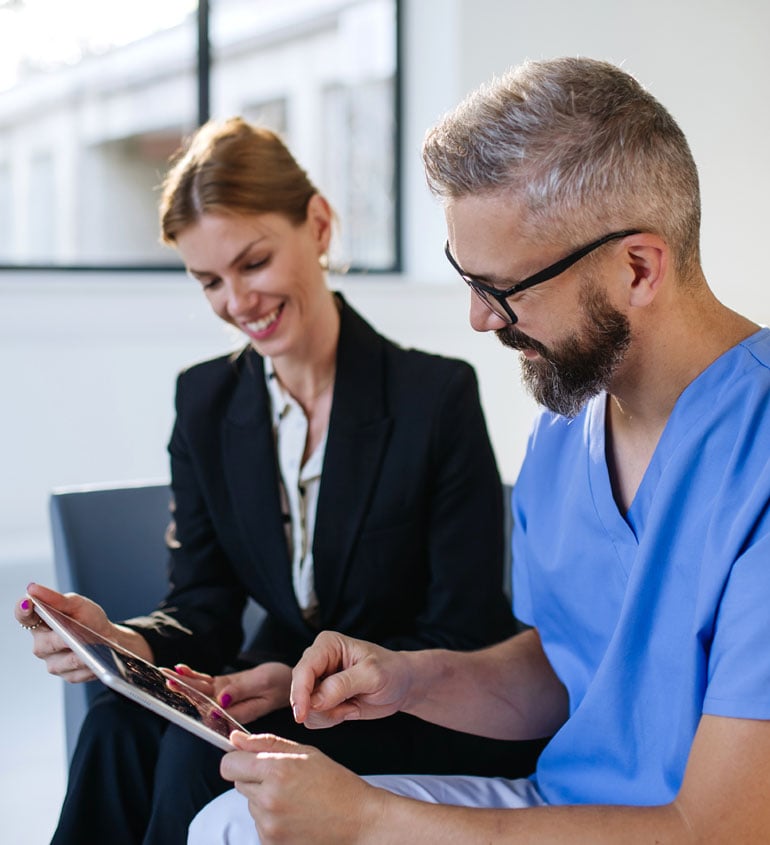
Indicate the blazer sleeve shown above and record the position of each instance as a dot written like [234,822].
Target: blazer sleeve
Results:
[465,606]
[199,621]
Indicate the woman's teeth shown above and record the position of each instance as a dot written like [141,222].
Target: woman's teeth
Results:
[265,322]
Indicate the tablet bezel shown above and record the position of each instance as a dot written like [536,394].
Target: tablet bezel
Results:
[77,637]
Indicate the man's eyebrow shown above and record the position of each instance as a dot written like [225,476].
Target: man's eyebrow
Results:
[235,260]
[491,279]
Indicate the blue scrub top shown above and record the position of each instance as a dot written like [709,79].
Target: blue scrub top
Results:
[655,617]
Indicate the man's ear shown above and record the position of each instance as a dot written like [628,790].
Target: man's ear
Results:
[647,259]
[319,218]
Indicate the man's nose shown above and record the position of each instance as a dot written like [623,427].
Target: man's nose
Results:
[482,318]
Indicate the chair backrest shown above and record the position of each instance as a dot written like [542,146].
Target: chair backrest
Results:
[108,545]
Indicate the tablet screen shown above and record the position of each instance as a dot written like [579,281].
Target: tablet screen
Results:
[136,678]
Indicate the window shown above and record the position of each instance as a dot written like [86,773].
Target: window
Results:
[94,98]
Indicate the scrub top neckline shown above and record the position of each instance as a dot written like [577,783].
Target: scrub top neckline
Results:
[694,401]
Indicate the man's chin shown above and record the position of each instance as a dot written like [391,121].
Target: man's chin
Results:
[548,390]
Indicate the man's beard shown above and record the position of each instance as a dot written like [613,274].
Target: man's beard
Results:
[566,377]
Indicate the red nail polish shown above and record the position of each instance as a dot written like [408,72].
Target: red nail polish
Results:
[225,700]
[25,604]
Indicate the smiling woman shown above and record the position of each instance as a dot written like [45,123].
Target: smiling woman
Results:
[340,481]
[251,227]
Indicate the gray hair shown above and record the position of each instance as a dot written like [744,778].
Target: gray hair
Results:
[582,145]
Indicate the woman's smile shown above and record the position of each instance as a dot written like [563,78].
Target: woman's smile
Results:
[265,326]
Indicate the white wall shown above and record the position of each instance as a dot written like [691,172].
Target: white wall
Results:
[87,365]
[87,369]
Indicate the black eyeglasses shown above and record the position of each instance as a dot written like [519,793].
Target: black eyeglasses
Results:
[496,299]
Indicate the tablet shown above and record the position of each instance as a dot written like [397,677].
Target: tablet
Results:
[132,676]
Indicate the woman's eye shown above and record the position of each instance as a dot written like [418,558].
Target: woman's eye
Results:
[256,265]
[211,285]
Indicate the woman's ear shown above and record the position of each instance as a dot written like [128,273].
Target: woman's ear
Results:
[647,259]
[319,218]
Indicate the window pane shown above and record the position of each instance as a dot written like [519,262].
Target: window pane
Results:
[323,74]
[94,97]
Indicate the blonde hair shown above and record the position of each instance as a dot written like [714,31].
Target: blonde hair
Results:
[232,167]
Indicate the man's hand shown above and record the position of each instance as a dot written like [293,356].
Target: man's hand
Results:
[246,695]
[298,795]
[340,679]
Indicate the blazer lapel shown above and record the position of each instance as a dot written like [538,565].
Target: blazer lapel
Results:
[248,457]
[359,427]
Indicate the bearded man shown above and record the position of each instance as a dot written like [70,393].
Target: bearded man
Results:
[641,547]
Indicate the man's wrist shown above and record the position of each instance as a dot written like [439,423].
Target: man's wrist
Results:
[373,819]
[422,668]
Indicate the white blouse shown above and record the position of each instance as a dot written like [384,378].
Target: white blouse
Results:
[299,486]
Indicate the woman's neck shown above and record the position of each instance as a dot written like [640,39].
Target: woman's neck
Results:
[310,377]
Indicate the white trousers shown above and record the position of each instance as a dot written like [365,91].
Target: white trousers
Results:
[226,819]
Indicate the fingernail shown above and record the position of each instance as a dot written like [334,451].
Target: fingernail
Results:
[215,715]
[25,604]
[225,699]
[179,669]
[31,584]
[295,711]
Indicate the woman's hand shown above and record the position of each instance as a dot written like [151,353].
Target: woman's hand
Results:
[59,659]
[246,695]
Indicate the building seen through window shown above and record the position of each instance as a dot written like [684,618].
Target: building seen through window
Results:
[95,96]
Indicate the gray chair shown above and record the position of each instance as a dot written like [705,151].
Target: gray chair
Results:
[108,545]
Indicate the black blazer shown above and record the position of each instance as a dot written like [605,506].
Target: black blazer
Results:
[409,528]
